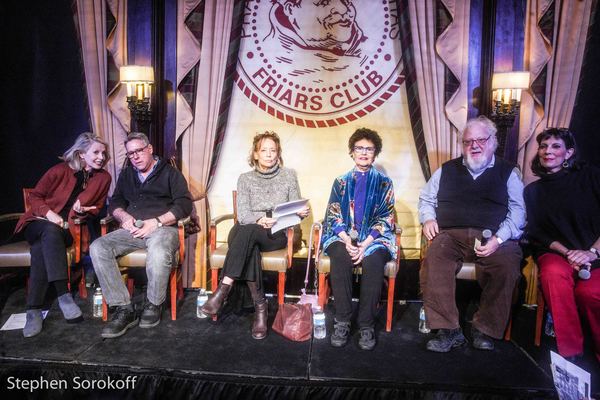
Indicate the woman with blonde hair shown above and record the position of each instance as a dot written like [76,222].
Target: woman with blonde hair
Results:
[258,192]
[75,188]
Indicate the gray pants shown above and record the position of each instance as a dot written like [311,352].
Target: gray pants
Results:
[161,246]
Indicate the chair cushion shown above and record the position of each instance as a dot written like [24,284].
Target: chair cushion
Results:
[271,260]
[468,271]
[390,270]
[137,259]
[17,255]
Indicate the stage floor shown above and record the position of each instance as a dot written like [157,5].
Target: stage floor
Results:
[197,350]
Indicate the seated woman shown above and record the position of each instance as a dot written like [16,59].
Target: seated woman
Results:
[359,229]
[258,192]
[72,189]
[563,212]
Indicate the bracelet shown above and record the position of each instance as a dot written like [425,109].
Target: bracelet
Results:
[595,251]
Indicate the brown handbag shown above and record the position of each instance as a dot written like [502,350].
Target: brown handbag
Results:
[294,322]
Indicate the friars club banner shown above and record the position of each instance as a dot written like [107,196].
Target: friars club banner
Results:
[314,71]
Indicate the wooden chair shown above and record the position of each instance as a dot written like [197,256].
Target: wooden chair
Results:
[322,261]
[279,260]
[18,254]
[137,259]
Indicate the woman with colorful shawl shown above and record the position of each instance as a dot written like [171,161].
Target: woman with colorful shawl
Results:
[359,229]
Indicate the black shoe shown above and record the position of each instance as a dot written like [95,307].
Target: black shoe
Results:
[341,331]
[445,340]
[481,341]
[367,339]
[151,315]
[123,319]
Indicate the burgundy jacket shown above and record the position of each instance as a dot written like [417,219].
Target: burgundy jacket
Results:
[54,189]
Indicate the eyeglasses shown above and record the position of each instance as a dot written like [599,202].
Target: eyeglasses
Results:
[480,142]
[361,149]
[133,153]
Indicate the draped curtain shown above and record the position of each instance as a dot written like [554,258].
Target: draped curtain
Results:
[555,37]
[441,66]
[198,125]
[108,110]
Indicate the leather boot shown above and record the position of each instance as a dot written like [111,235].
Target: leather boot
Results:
[216,300]
[261,311]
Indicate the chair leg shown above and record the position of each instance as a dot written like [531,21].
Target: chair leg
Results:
[390,304]
[173,288]
[322,290]
[104,310]
[539,318]
[130,286]
[281,288]
[508,331]
[180,294]
[82,288]
[214,282]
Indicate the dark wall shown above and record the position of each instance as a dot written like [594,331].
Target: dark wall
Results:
[585,122]
[42,98]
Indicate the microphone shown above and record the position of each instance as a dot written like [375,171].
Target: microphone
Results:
[65,225]
[584,272]
[138,223]
[485,236]
[354,236]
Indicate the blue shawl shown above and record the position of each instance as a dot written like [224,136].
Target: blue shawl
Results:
[378,211]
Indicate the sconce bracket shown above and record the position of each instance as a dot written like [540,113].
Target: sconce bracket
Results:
[140,108]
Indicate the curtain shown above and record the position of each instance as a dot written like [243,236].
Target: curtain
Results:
[198,124]
[555,37]
[441,64]
[108,109]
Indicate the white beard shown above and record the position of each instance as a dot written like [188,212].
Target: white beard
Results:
[476,166]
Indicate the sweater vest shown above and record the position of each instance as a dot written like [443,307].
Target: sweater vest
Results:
[464,202]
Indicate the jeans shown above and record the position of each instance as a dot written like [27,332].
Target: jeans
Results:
[161,246]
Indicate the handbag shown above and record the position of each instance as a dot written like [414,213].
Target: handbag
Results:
[294,322]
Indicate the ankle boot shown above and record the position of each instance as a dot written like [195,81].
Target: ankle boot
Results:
[261,311]
[216,300]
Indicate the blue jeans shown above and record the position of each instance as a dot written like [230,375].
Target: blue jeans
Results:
[161,246]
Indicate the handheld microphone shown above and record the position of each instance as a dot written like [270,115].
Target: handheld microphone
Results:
[65,225]
[485,236]
[354,237]
[584,272]
[138,223]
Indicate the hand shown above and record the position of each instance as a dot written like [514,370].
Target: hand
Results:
[490,247]
[304,212]
[578,258]
[430,229]
[79,209]
[55,218]
[266,223]
[150,225]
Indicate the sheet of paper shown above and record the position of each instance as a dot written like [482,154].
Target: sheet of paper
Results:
[285,221]
[291,207]
[17,321]
[571,382]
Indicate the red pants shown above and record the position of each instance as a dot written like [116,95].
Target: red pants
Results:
[568,298]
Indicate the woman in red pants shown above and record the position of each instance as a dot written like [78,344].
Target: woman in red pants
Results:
[563,212]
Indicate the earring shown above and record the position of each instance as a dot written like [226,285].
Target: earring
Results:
[565,164]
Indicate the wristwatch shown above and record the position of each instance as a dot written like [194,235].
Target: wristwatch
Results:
[159,223]
[595,251]
[500,241]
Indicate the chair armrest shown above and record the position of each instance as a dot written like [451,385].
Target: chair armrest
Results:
[212,232]
[217,220]
[183,222]
[104,222]
[10,217]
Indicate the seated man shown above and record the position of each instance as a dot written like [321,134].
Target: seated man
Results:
[149,198]
[466,196]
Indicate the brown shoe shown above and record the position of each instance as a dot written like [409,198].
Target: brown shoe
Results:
[216,300]
[259,326]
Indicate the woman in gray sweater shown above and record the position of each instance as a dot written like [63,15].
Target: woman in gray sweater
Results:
[258,192]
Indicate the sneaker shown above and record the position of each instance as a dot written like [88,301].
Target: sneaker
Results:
[33,322]
[367,339]
[150,316]
[341,331]
[123,319]
[445,340]
[481,341]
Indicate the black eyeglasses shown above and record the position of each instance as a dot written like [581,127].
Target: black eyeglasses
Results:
[481,142]
[133,153]
[361,149]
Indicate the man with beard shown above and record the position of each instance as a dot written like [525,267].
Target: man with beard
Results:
[466,196]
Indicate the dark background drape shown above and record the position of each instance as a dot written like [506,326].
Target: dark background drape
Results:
[42,92]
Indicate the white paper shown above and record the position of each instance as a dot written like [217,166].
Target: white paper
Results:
[17,321]
[285,214]
[570,381]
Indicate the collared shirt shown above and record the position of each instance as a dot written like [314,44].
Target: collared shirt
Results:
[142,177]
[510,228]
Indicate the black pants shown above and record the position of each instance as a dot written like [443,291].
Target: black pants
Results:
[49,244]
[245,244]
[370,286]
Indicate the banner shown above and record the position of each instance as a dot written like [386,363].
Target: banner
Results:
[315,71]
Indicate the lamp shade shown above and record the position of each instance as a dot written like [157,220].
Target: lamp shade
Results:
[136,73]
[510,80]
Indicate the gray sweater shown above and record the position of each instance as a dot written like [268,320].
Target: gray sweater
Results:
[259,192]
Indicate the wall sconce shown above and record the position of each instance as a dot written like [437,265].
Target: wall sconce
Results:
[506,93]
[139,80]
